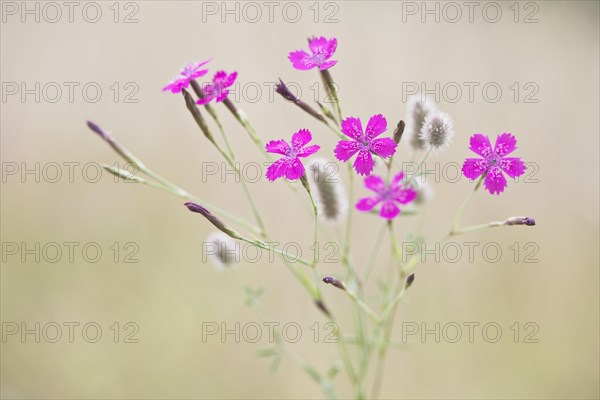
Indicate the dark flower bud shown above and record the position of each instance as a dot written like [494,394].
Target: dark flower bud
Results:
[287,94]
[520,221]
[410,280]
[335,282]
[399,131]
[213,219]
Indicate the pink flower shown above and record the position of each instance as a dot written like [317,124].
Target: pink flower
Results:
[397,192]
[218,89]
[189,72]
[321,48]
[364,143]
[494,162]
[290,166]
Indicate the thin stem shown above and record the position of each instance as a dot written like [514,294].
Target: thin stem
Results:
[461,209]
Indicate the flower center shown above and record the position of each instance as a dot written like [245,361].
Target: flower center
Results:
[319,58]
[493,159]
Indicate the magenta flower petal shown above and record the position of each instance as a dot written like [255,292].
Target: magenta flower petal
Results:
[505,144]
[345,149]
[398,180]
[331,47]
[493,163]
[290,165]
[301,60]
[389,210]
[480,144]
[301,138]
[375,183]
[405,196]
[473,168]
[318,45]
[376,126]
[367,203]
[327,65]
[276,170]
[294,169]
[384,147]
[321,48]
[364,162]
[495,182]
[513,166]
[396,192]
[189,72]
[364,143]
[278,147]
[218,89]
[352,127]
[308,151]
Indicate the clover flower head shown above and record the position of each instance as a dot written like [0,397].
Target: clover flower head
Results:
[364,143]
[222,250]
[189,72]
[325,183]
[321,48]
[493,162]
[396,193]
[219,87]
[437,130]
[290,165]
[418,107]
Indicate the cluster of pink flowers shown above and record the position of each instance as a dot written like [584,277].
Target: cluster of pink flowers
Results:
[217,90]
[362,143]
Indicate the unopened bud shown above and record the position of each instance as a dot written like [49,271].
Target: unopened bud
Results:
[335,282]
[193,109]
[520,221]
[399,131]
[410,280]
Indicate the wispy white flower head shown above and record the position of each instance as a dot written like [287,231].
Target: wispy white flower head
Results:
[424,191]
[222,250]
[437,130]
[418,107]
[327,187]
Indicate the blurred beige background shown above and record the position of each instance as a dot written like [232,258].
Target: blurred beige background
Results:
[170,292]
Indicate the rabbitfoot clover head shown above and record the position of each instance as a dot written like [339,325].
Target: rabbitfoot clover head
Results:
[219,87]
[396,192]
[494,163]
[321,48]
[364,143]
[437,130]
[290,165]
[189,72]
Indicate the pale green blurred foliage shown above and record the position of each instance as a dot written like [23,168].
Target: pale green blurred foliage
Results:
[170,292]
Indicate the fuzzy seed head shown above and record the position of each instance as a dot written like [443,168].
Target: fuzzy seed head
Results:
[328,190]
[418,107]
[437,131]
[222,250]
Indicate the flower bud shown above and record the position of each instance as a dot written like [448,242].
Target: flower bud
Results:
[285,92]
[399,131]
[335,282]
[213,219]
[520,221]
[193,109]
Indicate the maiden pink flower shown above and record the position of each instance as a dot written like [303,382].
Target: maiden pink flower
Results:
[218,89]
[321,48]
[364,143]
[290,165]
[494,161]
[189,72]
[397,192]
